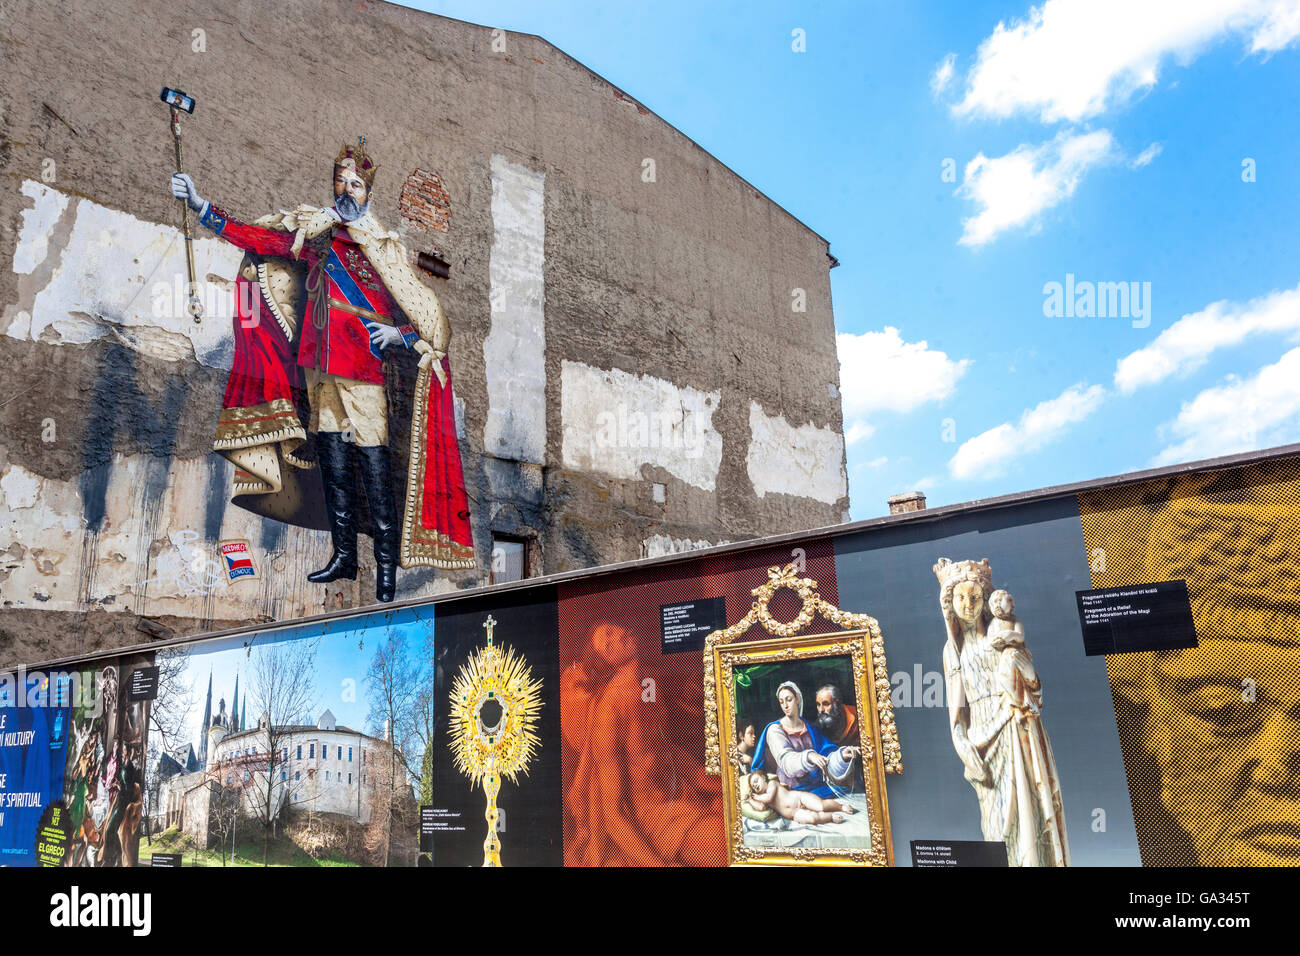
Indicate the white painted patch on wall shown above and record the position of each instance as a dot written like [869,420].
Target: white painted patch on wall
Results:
[109,282]
[37,224]
[805,461]
[159,566]
[656,546]
[514,351]
[615,422]
[19,488]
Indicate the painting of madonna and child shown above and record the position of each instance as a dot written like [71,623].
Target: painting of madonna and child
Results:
[798,755]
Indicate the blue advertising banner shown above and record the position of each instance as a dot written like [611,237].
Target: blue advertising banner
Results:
[33,754]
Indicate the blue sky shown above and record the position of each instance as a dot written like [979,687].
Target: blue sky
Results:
[344,650]
[1110,141]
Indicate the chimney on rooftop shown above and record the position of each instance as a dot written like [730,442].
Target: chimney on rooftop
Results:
[909,501]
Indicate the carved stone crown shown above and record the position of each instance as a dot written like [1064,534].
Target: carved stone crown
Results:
[952,573]
[355,158]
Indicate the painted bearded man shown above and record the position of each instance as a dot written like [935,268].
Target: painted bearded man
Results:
[836,719]
[326,299]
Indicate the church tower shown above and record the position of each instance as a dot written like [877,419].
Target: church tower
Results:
[218,731]
[206,725]
[234,707]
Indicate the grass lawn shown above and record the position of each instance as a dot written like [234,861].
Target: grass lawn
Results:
[247,852]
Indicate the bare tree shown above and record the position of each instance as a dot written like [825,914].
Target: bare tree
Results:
[282,693]
[394,810]
[423,725]
[424,722]
[423,729]
[168,715]
[223,816]
[395,682]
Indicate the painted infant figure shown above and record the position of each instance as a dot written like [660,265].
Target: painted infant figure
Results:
[797,805]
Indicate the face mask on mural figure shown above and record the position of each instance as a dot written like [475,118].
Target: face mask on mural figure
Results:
[348,208]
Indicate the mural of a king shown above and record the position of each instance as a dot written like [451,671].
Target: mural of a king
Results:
[340,370]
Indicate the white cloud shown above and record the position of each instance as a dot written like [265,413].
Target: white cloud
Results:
[857,431]
[1189,342]
[1074,59]
[988,453]
[944,74]
[1015,189]
[1146,156]
[1239,416]
[879,372]
[1279,28]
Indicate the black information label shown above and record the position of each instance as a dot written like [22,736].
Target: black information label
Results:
[426,829]
[950,853]
[1136,617]
[683,627]
[142,685]
[438,820]
[167,860]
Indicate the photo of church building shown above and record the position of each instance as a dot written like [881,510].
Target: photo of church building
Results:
[322,767]
[282,748]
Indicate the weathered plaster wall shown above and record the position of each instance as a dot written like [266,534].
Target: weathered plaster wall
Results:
[514,352]
[577,288]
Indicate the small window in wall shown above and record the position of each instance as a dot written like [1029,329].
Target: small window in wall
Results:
[509,559]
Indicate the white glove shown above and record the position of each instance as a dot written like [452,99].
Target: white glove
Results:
[384,336]
[183,189]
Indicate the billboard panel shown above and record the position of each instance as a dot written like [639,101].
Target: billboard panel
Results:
[1102,677]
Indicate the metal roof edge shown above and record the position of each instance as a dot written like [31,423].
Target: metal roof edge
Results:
[750,544]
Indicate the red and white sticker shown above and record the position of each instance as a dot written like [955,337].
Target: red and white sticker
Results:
[238,558]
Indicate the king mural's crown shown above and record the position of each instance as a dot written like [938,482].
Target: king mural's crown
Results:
[354,156]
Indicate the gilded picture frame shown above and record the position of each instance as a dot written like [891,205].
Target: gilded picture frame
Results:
[797,826]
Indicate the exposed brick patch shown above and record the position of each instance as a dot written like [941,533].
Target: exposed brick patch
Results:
[628,101]
[425,202]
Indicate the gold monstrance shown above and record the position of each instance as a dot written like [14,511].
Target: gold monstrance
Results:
[502,742]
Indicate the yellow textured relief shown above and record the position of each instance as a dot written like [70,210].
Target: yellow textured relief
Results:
[1211,735]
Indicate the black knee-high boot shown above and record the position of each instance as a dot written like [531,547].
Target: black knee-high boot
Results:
[377,471]
[333,454]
